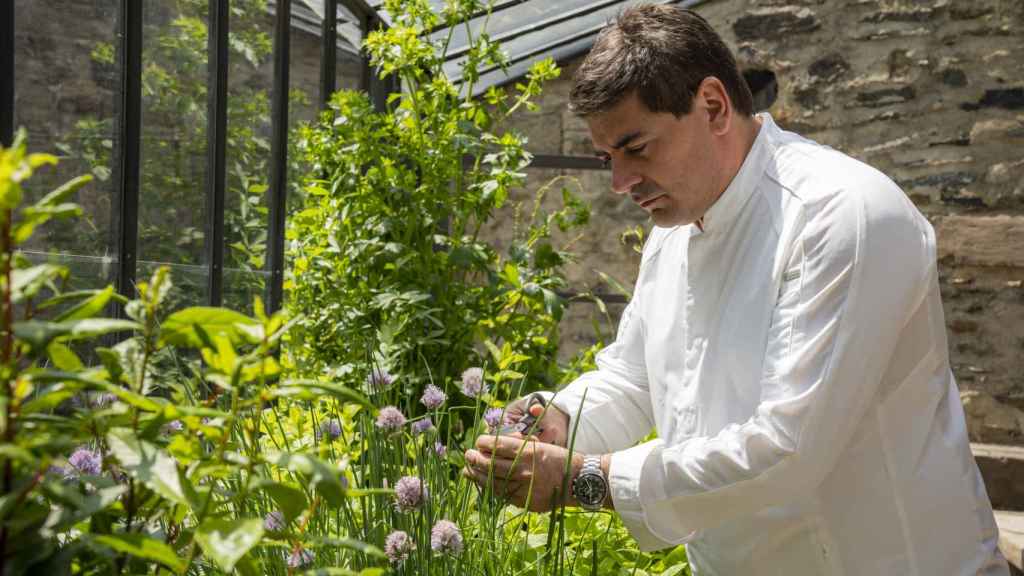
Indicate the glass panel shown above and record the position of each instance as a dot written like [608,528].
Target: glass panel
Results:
[172,197]
[546,41]
[66,97]
[349,69]
[508,20]
[250,84]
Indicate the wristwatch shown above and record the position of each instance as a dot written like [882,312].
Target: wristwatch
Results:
[589,487]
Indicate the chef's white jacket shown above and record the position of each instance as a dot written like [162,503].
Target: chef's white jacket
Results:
[792,357]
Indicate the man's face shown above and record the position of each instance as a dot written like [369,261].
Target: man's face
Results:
[667,165]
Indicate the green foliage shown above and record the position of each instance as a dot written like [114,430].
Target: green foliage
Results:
[388,262]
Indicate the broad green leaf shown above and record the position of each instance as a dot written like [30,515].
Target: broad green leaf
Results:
[75,505]
[90,327]
[145,548]
[63,357]
[39,334]
[289,500]
[178,329]
[63,192]
[674,570]
[26,282]
[90,307]
[226,541]
[324,477]
[147,463]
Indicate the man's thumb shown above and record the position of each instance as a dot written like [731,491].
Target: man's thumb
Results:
[536,410]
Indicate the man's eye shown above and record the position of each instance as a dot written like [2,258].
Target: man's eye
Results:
[637,150]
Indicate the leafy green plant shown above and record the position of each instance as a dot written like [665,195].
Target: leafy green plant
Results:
[151,458]
[388,262]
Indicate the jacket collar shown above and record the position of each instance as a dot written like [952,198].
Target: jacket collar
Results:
[734,198]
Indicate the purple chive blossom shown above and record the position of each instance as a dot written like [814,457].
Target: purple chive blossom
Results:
[300,557]
[473,382]
[446,538]
[85,461]
[410,492]
[421,426]
[390,418]
[440,449]
[398,546]
[433,398]
[274,522]
[379,379]
[329,428]
[172,427]
[493,417]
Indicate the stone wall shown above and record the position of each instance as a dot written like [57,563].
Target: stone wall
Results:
[931,93]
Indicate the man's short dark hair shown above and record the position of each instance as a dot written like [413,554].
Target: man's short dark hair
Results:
[662,53]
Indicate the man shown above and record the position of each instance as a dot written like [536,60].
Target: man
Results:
[785,338]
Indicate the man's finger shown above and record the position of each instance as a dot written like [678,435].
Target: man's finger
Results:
[502,446]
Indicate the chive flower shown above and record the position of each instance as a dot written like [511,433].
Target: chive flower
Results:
[493,417]
[379,380]
[390,418]
[433,397]
[473,382]
[329,428]
[274,522]
[421,426]
[446,538]
[84,461]
[410,493]
[397,546]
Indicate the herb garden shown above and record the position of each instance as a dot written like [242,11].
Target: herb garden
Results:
[143,436]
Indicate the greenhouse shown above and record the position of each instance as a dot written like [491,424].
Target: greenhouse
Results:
[278,275]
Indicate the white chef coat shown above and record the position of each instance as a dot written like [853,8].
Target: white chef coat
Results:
[792,357]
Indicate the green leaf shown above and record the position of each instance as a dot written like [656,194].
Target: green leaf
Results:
[289,500]
[63,357]
[226,541]
[145,548]
[62,193]
[178,329]
[90,307]
[26,282]
[324,477]
[147,463]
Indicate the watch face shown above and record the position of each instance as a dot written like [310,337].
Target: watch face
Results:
[590,489]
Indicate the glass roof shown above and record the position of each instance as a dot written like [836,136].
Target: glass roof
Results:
[529,31]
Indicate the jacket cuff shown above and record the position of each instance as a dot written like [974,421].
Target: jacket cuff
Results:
[624,473]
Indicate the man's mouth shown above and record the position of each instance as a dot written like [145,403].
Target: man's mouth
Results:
[649,201]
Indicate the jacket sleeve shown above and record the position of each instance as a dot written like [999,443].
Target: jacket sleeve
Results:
[864,261]
[612,404]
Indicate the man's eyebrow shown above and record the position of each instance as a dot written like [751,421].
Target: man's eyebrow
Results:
[627,139]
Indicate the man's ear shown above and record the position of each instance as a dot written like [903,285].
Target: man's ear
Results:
[714,102]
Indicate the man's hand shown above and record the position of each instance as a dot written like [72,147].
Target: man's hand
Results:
[553,424]
[522,469]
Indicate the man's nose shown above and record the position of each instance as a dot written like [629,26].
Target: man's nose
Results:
[624,180]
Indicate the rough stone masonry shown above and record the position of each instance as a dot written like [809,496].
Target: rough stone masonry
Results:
[931,93]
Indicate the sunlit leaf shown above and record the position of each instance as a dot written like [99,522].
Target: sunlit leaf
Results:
[226,541]
[145,548]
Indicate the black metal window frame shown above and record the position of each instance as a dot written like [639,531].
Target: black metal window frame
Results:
[127,153]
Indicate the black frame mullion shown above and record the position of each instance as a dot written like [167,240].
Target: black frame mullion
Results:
[278,155]
[130,143]
[216,134]
[7,74]
[329,52]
